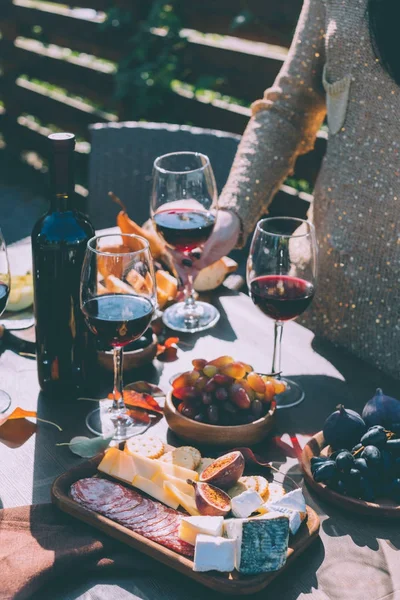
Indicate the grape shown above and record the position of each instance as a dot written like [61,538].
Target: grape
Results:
[270,391]
[230,408]
[187,410]
[361,465]
[200,418]
[375,436]
[185,393]
[256,408]
[334,455]
[248,368]
[325,471]
[344,461]
[199,363]
[396,467]
[221,361]
[387,462]
[246,386]
[210,385]
[235,370]
[366,488]
[221,379]
[356,448]
[213,414]
[210,370]
[183,380]
[394,446]
[239,396]
[318,460]
[256,383]
[201,383]
[394,489]
[372,455]
[206,398]
[221,394]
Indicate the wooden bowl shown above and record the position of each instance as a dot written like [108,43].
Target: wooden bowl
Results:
[132,358]
[218,435]
[380,508]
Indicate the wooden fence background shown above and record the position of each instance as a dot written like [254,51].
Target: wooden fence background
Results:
[247,60]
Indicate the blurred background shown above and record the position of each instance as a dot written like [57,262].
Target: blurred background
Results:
[67,65]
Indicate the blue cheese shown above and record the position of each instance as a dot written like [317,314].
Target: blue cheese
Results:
[246,503]
[261,543]
[214,554]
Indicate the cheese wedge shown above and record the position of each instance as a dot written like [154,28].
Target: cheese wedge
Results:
[123,467]
[108,461]
[181,485]
[154,490]
[146,467]
[187,502]
[191,527]
[176,471]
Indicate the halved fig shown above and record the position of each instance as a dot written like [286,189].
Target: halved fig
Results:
[225,471]
[210,500]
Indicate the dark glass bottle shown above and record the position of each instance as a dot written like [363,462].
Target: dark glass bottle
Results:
[59,242]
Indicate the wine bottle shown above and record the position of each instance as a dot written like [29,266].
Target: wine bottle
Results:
[59,242]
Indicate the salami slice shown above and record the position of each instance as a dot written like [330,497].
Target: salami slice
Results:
[127,507]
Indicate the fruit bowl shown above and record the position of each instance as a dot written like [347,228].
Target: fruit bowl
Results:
[218,435]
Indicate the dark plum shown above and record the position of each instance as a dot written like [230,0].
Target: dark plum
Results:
[372,455]
[343,428]
[344,461]
[325,472]
[361,465]
[375,436]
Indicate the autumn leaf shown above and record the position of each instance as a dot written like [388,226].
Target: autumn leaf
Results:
[147,388]
[168,351]
[140,415]
[15,429]
[134,399]
[171,341]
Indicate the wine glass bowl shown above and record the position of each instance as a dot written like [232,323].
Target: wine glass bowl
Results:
[184,210]
[118,299]
[281,276]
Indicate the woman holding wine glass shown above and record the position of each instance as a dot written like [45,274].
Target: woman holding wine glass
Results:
[118,299]
[343,63]
[5,284]
[184,209]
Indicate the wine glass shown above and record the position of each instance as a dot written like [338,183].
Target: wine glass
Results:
[184,209]
[281,276]
[118,299]
[5,285]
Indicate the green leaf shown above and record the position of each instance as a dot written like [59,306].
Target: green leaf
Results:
[87,447]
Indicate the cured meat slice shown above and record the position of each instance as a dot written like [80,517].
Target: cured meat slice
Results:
[127,507]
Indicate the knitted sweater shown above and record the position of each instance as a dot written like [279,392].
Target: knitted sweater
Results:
[331,68]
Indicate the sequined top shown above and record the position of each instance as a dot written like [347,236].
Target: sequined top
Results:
[331,68]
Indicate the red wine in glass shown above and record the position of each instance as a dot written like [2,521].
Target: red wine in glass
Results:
[184,229]
[4,293]
[281,297]
[118,319]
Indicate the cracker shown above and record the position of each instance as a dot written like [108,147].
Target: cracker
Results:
[180,457]
[195,454]
[276,492]
[250,481]
[145,445]
[263,486]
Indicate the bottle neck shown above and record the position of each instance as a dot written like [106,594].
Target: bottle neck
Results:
[62,181]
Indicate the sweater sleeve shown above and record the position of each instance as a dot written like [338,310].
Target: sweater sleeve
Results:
[284,123]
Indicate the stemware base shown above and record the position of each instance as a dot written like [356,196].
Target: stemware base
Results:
[292,396]
[101,422]
[5,401]
[202,317]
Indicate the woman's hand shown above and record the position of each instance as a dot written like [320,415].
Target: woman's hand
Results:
[222,240]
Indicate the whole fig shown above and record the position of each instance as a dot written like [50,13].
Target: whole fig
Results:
[343,428]
[382,410]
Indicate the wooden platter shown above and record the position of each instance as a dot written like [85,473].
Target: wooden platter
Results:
[382,508]
[234,584]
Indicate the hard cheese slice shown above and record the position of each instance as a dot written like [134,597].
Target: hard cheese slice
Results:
[187,502]
[214,554]
[108,461]
[261,543]
[124,468]
[176,471]
[146,467]
[181,485]
[155,491]
[191,527]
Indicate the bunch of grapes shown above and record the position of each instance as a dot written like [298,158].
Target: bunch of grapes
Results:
[224,392]
[370,470]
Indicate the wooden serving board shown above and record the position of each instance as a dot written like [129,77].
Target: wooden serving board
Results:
[234,583]
[381,508]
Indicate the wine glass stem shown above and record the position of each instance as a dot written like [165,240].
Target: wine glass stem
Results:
[276,358]
[191,316]
[118,402]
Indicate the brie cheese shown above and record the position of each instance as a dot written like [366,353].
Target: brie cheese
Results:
[214,554]
[191,527]
[246,503]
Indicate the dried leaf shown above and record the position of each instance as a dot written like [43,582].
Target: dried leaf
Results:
[87,447]
[140,415]
[15,429]
[135,400]
[171,341]
[251,458]
[146,388]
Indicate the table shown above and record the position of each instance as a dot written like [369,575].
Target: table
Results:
[355,559]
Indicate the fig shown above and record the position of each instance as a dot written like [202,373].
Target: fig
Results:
[382,410]
[343,428]
[225,471]
[210,500]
